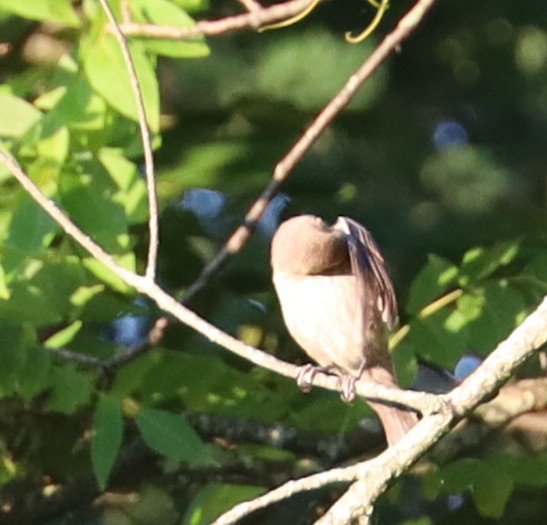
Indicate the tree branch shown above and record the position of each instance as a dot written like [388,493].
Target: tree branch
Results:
[253,19]
[372,477]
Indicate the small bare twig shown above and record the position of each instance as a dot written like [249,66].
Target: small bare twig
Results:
[250,5]
[153,338]
[153,220]
[253,19]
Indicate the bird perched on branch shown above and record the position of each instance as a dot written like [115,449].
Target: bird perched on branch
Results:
[339,305]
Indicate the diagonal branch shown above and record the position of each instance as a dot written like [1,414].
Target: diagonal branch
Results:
[418,401]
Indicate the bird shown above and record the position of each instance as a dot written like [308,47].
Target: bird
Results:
[339,305]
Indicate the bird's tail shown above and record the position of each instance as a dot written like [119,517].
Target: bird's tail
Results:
[396,421]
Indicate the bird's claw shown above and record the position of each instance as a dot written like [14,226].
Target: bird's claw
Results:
[306,373]
[305,376]
[347,388]
[346,382]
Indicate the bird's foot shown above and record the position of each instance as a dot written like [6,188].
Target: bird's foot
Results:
[306,373]
[346,381]
[347,387]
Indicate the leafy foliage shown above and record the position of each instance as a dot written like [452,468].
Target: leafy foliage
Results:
[441,155]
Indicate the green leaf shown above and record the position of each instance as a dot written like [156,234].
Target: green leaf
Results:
[488,480]
[30,230]
[133,193]
[34,377]
[171,435]
[162,12]
[481,262]
[41,292]
[18,116]
[80,108]
[90,199]
[216,498]
[503,307]
[436,277]
[54,140]
[108,75]
[303,69]
[492,488]
[4,291]
[440,338]
[130,377]
[64,336]
[537,269]
[70,389]
[99,270]
[60,11]
[466,179]
[207,383]
[107,438]
[13,356]
[308,411]
[527,470]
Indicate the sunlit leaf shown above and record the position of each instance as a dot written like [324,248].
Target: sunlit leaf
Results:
[4,291]
[31,229]
[64,336]
[107,73]
[99,270]
[133,193]
[503,308]
[60,11]
[438,276]
[18,116]
[162,12]
[481,262]
[437,340]
[305,69]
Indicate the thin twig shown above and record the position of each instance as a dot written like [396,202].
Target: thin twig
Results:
[153,221]
[252,20]
[250,5]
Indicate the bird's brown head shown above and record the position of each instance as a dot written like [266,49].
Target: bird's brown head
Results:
[306,245]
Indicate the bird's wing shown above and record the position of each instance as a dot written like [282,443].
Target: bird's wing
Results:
[369,269]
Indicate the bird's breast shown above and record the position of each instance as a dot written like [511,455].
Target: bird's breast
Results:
[325,315]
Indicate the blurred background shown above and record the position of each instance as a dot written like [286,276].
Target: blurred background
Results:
[441,152]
